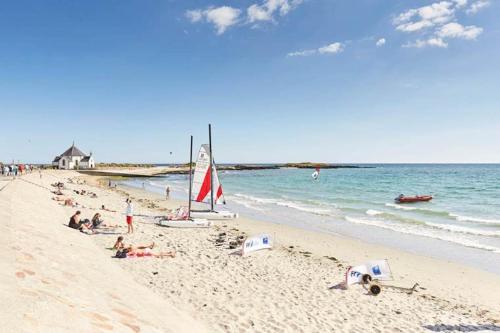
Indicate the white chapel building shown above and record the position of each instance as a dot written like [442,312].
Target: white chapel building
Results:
[73,158]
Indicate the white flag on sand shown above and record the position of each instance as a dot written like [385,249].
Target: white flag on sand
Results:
[255,243]
[377,269]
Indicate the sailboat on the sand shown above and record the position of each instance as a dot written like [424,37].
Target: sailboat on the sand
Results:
[183,218]
[206,185]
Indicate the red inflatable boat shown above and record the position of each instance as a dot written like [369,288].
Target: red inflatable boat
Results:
[417,198]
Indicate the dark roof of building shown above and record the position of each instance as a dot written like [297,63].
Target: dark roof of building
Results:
[56,159]
[73,151]
[85,159]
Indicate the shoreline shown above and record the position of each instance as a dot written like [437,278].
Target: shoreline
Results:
[414,243]
[324,244]
[285,289]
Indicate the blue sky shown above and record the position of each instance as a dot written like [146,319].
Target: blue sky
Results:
[280,80]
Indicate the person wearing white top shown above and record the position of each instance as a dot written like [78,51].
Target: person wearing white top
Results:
[130,214]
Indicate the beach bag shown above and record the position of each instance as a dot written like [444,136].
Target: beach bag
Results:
[121,254]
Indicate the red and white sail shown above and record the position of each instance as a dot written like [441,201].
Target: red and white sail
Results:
[201,178]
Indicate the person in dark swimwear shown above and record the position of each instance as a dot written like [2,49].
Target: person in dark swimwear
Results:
[96,220]
[75,223]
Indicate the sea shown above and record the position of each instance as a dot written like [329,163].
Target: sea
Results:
[461,223]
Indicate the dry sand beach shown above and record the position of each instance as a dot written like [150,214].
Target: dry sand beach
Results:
[55,279]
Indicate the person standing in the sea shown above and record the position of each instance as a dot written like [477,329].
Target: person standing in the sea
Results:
[130,214]
[167,193]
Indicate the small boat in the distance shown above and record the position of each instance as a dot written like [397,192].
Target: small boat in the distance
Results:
[404,199]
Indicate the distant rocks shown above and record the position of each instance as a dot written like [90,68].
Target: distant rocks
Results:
[248,167]
[310,165]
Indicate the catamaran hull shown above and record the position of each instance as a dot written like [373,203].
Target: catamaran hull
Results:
[224,215]
[197,223]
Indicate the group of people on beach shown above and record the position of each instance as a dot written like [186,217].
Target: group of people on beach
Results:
[15,169]
[75,222]
[91,226]
[123,251]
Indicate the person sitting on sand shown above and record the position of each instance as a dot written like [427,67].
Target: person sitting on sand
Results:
[119,245]
[96,220]
[75,223]
[69,202]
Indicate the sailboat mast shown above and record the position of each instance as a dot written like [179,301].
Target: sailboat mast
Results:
[211,167]
[190,176]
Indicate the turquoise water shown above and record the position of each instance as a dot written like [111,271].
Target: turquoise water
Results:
[464,215]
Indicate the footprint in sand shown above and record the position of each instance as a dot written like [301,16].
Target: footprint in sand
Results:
[134,328]
[114,296]
[20,275]
[26,292]
[125,313]
[97,316]
[45,281]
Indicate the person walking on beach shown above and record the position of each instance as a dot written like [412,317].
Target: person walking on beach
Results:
[130,214]
[167,193]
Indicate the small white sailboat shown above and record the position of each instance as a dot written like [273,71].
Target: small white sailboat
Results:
[206,181]
[183,218]
[315,174]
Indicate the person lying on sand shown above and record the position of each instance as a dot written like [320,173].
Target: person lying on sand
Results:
[75,223]
[107,209]
[70,202]
[149,253]
[131,253]
[119,245]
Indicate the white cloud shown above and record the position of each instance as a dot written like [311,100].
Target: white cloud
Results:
[436,42]
[333,48]
[195,15]
[304,53]
[456,30]
[477,6]
[380,42]
[224,17]
[425,17]
[266,10]
[461,3]
[441,17]
[221,17]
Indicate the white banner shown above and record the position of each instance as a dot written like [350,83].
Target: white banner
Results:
[255,243]
[377,269]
